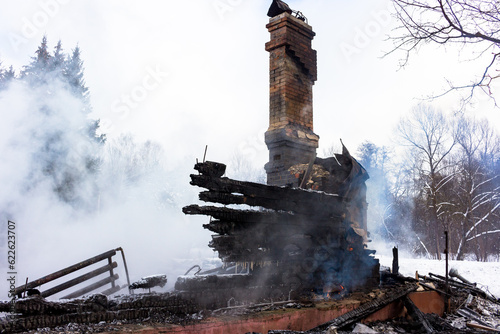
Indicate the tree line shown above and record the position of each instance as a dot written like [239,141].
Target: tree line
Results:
[46,105]
[446,178]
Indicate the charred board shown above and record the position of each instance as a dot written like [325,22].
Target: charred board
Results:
[252,217]
[309,202]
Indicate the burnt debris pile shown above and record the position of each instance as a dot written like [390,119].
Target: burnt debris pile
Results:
[294,240]
[37,312]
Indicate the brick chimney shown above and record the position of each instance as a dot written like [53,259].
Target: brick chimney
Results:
[290,137]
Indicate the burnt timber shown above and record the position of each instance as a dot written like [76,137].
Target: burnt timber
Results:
[292,238]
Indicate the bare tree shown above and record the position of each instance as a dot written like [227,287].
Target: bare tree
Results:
[428,132]
[242,168]
[331,150]
[132,169]
[477,193]
[469,23]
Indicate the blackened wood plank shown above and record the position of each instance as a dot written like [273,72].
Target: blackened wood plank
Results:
[417,315]
[271,197]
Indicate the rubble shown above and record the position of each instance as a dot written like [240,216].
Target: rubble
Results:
[149,282]
[292,228]
[37,312]
[129,313]
[467,313]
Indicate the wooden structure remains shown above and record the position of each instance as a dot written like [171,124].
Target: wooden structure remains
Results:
[300,239]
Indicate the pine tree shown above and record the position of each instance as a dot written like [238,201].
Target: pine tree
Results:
[2,76]
[37,71]
[57,61]
[68,156]
[73,74]
[6,76]
[10,74]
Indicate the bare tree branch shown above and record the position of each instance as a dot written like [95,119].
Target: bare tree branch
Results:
[475,24]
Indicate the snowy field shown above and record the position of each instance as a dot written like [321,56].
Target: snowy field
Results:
[485,274]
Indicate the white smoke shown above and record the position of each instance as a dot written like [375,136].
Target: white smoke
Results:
[133,200]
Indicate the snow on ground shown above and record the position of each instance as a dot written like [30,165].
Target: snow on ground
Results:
[485,274]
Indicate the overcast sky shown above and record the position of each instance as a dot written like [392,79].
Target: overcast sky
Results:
[192,73]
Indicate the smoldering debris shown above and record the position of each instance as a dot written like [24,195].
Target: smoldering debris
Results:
[149,282]
[98,313]
[37,312]
[304,240]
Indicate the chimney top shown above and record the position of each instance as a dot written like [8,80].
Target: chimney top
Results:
[290,137]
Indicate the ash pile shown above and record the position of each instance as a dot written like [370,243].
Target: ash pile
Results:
[286,242]
[463,308]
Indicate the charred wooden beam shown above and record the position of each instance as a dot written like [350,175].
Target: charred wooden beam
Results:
[417,315]
[292,227]
[395,261]
[472,315]
[222,227]
[226,198]
[237,248]
[242,216]
[443,279]
[271,197]
[252,217]
[38,305]
[212,282]
[471,288]
[211,168]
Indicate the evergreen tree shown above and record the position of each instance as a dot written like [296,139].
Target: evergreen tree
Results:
[2,76]
[73,74]
[57,61]
[74,77]
[10,74]
[37,71]
[6,76]
[68,152]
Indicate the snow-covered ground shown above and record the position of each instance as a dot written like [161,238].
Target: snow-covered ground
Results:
[485,274]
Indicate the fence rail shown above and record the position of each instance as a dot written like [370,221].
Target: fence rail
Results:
[109,267]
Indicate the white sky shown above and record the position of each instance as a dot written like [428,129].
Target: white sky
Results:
[216,91]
